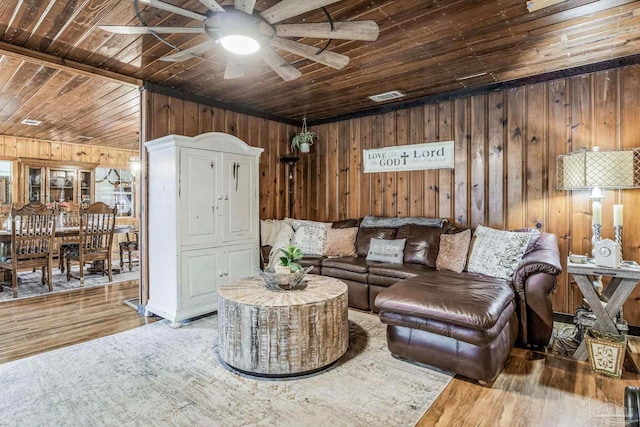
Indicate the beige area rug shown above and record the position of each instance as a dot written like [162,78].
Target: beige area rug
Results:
[31,285]
[155,375]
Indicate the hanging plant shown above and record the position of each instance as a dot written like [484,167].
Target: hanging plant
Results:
[304,139]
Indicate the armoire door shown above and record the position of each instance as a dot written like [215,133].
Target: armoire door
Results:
[198,196]
[202,272]
[239,198]
[242,261]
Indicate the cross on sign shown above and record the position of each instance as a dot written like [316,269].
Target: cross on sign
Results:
[404,157]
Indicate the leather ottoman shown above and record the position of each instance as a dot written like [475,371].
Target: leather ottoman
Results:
[461,322]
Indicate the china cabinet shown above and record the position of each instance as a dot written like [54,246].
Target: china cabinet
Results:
[203,220]
[50,181]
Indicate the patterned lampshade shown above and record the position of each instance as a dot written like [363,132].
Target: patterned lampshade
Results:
[585,170]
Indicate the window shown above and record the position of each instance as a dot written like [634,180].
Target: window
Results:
[115,188]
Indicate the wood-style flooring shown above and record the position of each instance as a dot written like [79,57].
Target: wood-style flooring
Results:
[534,389]
[34,325]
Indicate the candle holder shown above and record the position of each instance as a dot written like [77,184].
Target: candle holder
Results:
[597,280]
[618,237]
[596,237]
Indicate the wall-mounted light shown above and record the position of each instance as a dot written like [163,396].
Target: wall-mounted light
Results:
[134,166]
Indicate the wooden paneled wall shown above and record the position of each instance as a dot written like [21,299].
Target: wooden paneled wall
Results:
[507,143]
[506,146]
[14,148]
[165,115]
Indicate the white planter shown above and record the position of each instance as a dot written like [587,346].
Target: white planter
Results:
[305,147]
[281,269]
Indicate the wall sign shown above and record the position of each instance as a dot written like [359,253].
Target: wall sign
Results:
[431,155]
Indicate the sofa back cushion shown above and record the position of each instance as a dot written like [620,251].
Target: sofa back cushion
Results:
[423,243]
[346,223]
[366,234]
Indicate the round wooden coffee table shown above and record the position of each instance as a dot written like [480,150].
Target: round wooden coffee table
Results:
[282,333]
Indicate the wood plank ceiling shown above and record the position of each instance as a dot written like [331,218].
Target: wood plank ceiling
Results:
[425,47]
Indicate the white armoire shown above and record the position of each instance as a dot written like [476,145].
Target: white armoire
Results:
[203,220]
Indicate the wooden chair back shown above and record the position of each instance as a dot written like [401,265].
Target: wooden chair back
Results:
[97,224]
[32,229]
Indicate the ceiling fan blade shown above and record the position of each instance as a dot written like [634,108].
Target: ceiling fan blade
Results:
[285,70]
[330,59]
[233,70]
[127,29]
[245,5]
[189,53]
[212,5]
[357,30]
[288,8]
[173,9]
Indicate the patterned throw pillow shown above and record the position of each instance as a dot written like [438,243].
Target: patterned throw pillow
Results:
[391,251]
[453,251]
[311,236]
[341,241]
[497,253]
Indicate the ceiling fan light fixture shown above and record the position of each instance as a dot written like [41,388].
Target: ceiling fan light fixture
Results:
[240,44]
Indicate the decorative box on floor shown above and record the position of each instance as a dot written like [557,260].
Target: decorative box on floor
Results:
[606,352]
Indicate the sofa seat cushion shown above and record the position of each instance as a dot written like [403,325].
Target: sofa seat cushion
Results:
[357,265]
[480,338]
[463,299]
[399,271]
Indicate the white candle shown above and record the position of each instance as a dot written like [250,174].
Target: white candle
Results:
[597,213]
[617,215]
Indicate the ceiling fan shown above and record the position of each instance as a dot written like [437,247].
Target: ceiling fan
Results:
[242,30]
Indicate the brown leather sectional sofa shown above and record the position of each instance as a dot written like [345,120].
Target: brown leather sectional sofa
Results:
[462,322]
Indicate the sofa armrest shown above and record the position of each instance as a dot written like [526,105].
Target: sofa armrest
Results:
[543,258]
[533,281]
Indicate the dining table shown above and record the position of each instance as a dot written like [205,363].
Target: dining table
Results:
[5,235]
[98,266]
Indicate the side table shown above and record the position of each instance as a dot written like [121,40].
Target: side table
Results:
[623,281]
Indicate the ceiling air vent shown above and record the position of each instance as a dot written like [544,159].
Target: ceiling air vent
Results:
[30,122]
[386,96]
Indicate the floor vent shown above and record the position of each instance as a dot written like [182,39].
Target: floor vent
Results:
[386,96]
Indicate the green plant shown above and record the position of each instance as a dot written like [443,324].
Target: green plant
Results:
[304,136]
[291,255]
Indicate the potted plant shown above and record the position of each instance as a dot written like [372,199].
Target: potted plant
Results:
[304,139]
[288,261]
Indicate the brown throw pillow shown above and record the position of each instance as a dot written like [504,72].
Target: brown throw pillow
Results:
[453,251]
[341,242]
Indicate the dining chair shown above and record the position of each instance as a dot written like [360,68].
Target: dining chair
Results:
[71,218]
[129,247]
[32,231]
[97,223]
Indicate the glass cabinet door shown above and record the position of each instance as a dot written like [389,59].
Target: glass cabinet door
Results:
[61,185]
[36,187]
[84,197]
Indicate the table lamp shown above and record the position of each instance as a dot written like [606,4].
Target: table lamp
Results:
[596,170]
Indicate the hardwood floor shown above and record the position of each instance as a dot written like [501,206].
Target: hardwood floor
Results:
[34,325]
[535,389]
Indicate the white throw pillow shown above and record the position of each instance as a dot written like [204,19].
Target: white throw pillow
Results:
[311,236]
[390,251]
[497,253]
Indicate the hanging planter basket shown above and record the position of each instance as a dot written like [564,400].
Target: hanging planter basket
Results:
[304,139]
